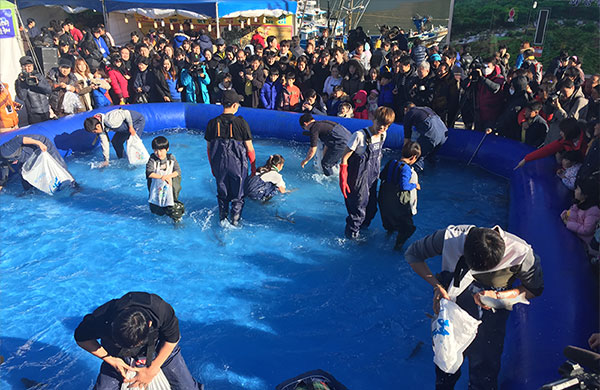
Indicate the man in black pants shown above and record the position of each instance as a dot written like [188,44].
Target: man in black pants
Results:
[123,122]
[138,329]
[334,137]
[478,262]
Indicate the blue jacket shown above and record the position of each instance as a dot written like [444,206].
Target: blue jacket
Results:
[100,99]
[386,96]
[191,83]
[269,93]
[101,43]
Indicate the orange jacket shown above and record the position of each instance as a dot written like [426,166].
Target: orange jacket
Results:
[8,114]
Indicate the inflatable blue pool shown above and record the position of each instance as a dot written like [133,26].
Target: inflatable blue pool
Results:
[566,313]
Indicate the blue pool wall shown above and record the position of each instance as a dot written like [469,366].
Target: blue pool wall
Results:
[567,311]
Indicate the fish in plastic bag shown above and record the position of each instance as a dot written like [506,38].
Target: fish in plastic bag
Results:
[136,151]
[159,382]
[43,172]
[452,332]
[503,303]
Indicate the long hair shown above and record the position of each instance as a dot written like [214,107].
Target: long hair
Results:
[273,161]
[172,73]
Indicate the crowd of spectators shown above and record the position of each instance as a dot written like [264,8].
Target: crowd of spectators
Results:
[519,99]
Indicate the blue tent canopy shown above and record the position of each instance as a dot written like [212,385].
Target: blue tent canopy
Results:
[204,7]
[92,4]
[199,6]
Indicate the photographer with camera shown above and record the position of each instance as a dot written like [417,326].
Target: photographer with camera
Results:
[195,81]
[422,87]
[487,82]
[569,102]
[33,89]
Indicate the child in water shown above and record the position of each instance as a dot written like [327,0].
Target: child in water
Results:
[163,173]
[398,194]
[268,181]
[583,216]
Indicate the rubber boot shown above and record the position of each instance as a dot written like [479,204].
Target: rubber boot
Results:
[403,235]
[235,219]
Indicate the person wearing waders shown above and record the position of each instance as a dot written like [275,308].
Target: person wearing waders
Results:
[333,136]
[16,151]
[124,123]
[432,131]
[359,172]
[229,147]
[478,262]
[137,332]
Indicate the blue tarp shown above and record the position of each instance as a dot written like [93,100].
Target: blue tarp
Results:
[204,7]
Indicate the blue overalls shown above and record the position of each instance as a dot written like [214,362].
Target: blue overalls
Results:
[336,141]
[230,168]
[363,172]
[122,132]
[258,189]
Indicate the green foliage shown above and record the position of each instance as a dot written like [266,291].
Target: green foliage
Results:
[486,17]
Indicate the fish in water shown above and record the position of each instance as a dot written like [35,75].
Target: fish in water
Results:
[416,350]
[33,385]
[287,218]
[504,303]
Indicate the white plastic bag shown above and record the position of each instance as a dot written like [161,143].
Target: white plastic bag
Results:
[159,382]
[71,103]
[452,331]
[136,151]
[161,192]
[43,172]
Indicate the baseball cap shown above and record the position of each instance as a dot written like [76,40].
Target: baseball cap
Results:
[230,97]
[65,63]
[219,41]
[26,60]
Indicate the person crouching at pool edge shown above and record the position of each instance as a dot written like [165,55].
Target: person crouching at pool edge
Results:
[359,171]
[162,165]
[123,122]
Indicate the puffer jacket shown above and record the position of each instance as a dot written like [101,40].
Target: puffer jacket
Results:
[36,96]
[582,222]
[205,42]
[418,54]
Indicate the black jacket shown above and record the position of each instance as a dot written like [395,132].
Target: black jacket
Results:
[35,95]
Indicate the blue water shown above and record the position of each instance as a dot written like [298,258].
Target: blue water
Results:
[282,295]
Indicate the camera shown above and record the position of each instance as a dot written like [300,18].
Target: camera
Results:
[477,64]
[573,374]
[554,96]
[29,79]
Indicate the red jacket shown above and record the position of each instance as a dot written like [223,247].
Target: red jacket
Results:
[76,34]
[490,100]
[118,84]
[558,146]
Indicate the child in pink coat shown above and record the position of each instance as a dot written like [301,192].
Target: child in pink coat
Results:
[583,216]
